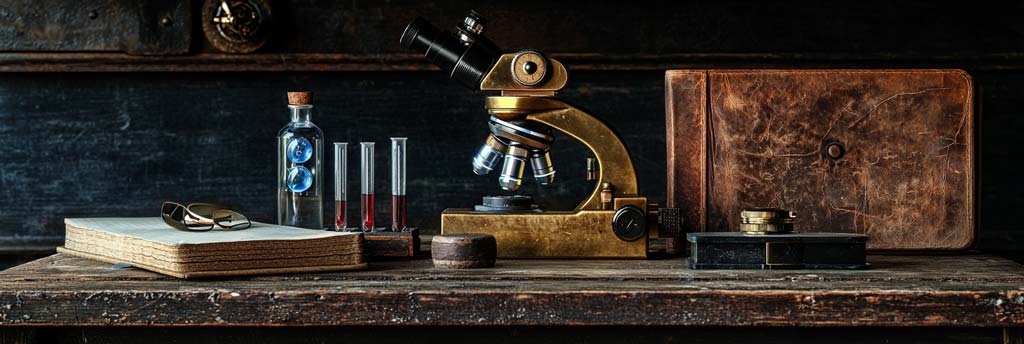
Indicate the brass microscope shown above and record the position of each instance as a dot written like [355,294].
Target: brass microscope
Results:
[614,221]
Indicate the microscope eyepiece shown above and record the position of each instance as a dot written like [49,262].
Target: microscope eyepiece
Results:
[418,35]
[465,55]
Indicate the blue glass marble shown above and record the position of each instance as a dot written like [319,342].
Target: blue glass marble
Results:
[299,178]
[299,150]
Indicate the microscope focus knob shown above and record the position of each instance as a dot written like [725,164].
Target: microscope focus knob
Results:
[629,223]
[529,68]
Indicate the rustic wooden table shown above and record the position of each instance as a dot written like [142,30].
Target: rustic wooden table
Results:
[966,298]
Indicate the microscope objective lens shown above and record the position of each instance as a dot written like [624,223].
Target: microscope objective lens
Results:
[488,155]
[512,171]
[543,172]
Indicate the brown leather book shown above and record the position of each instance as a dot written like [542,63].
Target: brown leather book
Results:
[887,153]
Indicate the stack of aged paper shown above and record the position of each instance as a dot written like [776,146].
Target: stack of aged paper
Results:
[150,244]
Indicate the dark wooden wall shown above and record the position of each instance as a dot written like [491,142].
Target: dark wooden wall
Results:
[86,130]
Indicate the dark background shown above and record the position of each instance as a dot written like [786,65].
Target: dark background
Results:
[87,130]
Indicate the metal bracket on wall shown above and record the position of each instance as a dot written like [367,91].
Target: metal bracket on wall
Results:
[237,27]
[132,26]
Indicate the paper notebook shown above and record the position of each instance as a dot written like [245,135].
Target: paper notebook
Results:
[149,243]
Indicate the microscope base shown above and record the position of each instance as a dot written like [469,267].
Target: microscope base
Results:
[556,234]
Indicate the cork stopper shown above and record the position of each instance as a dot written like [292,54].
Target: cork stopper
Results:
[300,98]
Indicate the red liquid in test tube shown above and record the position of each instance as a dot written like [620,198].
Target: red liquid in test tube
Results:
[398,213]
[366,204]
[340,209]
[366,186]
[398,207]
[340,185]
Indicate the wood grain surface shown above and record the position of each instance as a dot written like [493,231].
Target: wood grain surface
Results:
[962,290]
[505,335]
[906,178]
[510,335]
[135,27]
[860,28]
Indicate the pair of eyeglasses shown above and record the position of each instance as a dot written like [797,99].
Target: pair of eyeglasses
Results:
[202,217]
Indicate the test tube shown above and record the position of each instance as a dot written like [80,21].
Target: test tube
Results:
[340,185]
[398,208]
[366,185]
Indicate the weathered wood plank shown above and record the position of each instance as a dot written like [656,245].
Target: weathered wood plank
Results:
[518,334]
[11,335]
[347,36]
[899,291]
[371,27]
[1013,335]
[886,268]
[137,27]
[401,61]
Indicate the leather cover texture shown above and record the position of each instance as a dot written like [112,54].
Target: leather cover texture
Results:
[759,138]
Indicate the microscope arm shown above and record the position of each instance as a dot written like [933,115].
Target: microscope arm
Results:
[615,165]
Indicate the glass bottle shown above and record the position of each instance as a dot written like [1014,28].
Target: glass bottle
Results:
[300,167]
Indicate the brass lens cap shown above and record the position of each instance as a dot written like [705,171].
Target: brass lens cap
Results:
[766,221]
[767,213]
